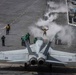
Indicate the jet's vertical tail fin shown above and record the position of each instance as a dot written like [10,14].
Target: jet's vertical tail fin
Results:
[28,47]
[47,48]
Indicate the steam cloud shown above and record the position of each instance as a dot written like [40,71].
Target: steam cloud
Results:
[65,33]
[57,7]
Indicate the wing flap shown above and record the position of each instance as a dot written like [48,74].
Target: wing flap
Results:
[16,61]
[58,62]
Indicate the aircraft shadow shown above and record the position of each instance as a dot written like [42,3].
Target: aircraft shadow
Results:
[41,69]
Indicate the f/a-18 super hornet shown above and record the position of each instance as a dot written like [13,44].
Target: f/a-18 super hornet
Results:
[39,53]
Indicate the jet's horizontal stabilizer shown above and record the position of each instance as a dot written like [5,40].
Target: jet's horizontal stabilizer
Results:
[51,61]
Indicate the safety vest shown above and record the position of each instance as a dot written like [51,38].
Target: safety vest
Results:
[7,27]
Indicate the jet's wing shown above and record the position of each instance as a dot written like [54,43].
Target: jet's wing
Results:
[51,59]
[21,55]
[57,62]
[14,55]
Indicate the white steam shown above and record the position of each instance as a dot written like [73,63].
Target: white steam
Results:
[51,32]
[35,31]
[65,33]
[42,22]
[57,7]
[52,4]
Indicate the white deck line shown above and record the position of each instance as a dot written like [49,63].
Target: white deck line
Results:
[68,15]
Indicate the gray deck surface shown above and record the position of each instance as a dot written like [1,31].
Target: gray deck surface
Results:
[20,14]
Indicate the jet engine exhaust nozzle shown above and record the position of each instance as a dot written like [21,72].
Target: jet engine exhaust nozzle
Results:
[41,61]
[33,61]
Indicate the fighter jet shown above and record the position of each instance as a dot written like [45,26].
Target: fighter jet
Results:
[37,54]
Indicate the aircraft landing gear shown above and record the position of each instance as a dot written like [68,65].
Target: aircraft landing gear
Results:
[50,66]
[26,65]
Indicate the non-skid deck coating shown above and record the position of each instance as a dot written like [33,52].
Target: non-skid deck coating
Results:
[20,14]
